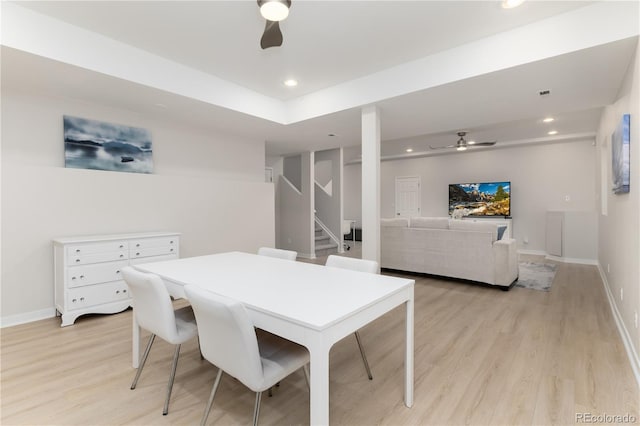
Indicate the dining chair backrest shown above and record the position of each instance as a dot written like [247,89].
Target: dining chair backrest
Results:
[361,265]
[151,304]
[227,336]
[279,253]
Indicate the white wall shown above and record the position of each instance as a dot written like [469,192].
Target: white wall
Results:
[541,176]
[296,210]
[206,185]
[619,239]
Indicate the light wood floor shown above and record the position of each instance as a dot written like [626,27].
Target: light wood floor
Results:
[483,357]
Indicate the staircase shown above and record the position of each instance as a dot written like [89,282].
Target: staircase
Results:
[324,245]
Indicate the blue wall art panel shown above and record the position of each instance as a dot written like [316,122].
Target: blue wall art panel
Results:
[620,140]
[91,144]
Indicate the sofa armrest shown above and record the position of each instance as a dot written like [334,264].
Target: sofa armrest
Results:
[505,254]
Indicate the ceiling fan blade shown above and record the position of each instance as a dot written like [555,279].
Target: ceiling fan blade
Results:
[272,36]
[442,147]
[488,143]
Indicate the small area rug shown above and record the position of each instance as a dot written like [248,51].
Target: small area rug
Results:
[536,276]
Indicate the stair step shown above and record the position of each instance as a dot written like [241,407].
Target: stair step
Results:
[326,246]
[322,237]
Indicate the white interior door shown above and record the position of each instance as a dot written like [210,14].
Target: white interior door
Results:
[408,196]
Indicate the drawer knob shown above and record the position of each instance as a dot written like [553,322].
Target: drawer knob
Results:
[124,291]
[74,300]
[77,250]
[138,254]
[77,260]
[81,299]
[73,278]
[170,242]
[122,255]
[118,271]
[117,291]
[138,245]
[81,277]
[121,246]
[171,250]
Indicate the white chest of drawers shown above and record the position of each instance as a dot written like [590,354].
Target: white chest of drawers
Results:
[87,270]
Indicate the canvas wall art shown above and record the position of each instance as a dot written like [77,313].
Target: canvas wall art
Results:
[620,140]
[91,144]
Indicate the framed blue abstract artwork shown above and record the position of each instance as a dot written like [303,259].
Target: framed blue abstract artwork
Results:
[620,140]
[91,144]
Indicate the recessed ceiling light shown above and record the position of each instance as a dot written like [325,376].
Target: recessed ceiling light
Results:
[510,4]
[409,150]
[291,83]
[548,120]
[552,132]
[331,135]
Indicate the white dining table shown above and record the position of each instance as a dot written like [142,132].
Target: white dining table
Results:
[312,305]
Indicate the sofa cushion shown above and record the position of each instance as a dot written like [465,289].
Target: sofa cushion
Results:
[469,225]
[400,222]
[429,222]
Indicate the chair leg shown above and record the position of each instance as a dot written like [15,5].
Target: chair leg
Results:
[200,349]
[144,359]
[364,357]
[176,354]
[210,402]
[256,410]
[305,368]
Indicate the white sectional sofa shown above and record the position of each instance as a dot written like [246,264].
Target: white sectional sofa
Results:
[451,248]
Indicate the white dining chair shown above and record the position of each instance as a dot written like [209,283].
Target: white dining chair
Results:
[229,341]
[279,253]
[154,312]
[360,265]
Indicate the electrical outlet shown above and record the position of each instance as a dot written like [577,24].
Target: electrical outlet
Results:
[289,240]
[608,268]
[567,198]
[635,318]
[621,294]
[525,240]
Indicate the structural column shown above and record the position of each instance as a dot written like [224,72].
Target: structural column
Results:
[371,183]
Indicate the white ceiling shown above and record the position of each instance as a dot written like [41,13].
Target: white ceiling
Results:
[332,47]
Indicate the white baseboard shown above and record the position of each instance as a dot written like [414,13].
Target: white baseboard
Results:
[18,319]
[307,255]
[572,260]
[634,360]
[533,252]
[577,260]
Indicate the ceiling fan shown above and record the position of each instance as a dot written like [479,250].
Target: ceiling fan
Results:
[273,11]
[462,144]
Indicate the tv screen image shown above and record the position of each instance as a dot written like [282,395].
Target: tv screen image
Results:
[480,199]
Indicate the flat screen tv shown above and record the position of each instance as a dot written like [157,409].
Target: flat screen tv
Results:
[487,199]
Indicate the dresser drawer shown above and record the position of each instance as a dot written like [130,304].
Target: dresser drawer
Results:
[96,294]
[151,251]
[91,248]
[97,257]
[78,276]
[144,243]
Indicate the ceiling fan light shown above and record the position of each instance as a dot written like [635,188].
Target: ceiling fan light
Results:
[471,142]
[461,148]
[510,4]
[274,10]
